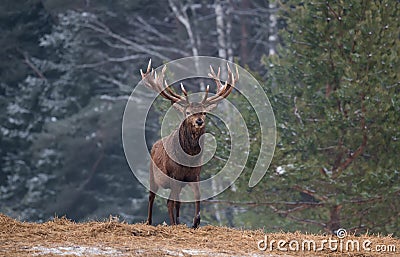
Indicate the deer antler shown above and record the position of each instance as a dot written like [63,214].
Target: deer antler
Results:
[155,82]
[223,90]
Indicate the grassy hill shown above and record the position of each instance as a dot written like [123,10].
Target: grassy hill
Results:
[62,237]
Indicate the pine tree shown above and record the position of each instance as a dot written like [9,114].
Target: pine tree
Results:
[338,111]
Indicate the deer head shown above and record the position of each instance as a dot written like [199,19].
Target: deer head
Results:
[194,112]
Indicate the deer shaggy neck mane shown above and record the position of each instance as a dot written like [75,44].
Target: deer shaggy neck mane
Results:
[189,138]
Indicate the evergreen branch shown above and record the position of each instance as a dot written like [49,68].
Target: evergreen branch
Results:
[286,212]
[28,62]
[311,193]
[307,221]
[363,201]
[360,149]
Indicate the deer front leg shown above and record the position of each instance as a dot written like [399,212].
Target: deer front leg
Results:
[196,192]
[152,195]
[177,207]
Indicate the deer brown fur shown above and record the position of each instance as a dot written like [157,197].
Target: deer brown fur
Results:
[185,141]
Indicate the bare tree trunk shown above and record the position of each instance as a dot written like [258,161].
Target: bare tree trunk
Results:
[193,8]
[183,18]
[334,222]
[244,5]
[219,12]
[225,51]
[229,31]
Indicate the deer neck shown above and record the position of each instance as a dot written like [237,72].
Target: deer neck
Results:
[189,139]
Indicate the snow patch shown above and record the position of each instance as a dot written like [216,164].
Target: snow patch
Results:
[76,251]
[280,170]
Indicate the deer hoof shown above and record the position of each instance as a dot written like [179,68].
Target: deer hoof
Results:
[196,221]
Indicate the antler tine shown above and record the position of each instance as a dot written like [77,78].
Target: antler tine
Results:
[231,76]
[212,71]
[229,68]
[222,90]
[170,91]
[183,89]
[147,70]
[216,77]
[206,94]
[219,80]
[167,87]
[211,74]
[149,65]
[152,73]
[164,69]
[155,82]
[185,93]
[230,73]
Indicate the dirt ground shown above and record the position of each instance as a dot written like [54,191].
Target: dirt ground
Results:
[62,237]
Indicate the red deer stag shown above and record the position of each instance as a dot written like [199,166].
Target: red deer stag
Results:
[186,137]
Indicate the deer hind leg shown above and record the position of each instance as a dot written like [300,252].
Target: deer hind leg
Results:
[174,204]
[170,205]
[196,192]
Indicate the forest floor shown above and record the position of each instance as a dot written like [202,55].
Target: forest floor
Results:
[62,237]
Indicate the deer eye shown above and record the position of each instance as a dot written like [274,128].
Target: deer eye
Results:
[187,113]
[204,113]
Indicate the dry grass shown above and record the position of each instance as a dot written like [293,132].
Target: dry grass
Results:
[114,238]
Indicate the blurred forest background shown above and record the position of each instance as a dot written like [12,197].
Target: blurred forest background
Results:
[330,69]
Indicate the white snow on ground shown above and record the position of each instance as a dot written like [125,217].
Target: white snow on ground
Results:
[76,250]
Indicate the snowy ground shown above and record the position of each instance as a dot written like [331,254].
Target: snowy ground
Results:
[76,250]
[105,251]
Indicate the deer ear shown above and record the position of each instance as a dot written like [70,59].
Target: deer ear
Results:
[179,107]
[210,107]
